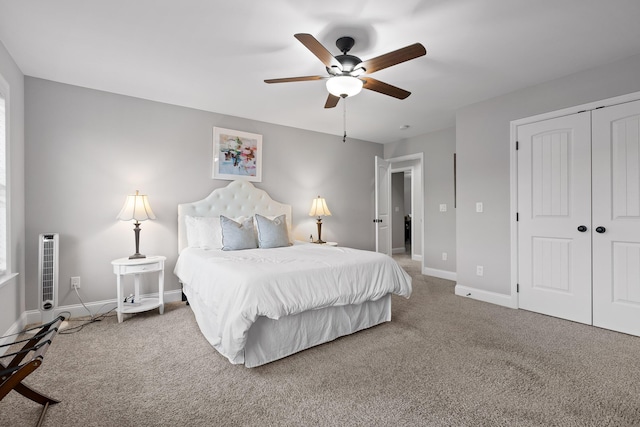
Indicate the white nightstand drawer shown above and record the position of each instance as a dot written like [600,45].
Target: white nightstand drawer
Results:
[143,268]
[124,266]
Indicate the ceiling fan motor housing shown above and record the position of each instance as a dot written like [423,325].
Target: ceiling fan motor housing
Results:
[349,62]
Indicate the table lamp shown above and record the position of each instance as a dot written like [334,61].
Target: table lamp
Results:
[136,207]
[319,208]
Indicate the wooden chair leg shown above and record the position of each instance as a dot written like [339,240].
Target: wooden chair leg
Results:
[15,383]
[35,395]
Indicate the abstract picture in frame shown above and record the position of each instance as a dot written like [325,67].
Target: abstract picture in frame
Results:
[237,155]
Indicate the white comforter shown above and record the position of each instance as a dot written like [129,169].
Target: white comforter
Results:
[239,286]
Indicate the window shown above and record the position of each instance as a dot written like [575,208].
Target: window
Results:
[4,231]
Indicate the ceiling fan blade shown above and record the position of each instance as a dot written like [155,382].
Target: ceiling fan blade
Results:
[318,50]
[295,79]
[392,58]
[384,88]
[332,101]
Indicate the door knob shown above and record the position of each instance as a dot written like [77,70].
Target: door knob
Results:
[600,229]
[582,228]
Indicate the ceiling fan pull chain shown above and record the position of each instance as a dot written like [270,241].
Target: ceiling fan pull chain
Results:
[344,117]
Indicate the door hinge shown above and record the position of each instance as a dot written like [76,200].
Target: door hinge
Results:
[602,106]
[517,287]
[517,145]
[517,216]
[583,111]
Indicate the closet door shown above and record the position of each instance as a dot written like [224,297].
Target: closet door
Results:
[554,206]
[616,209]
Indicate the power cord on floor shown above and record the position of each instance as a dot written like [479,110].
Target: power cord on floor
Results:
[93,318]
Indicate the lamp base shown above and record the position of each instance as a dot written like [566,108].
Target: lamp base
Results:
[319,241]
[136,231]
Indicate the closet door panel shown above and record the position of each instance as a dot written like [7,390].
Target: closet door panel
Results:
[554,199]
[616,209]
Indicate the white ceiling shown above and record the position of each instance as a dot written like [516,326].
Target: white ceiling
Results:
[214,55]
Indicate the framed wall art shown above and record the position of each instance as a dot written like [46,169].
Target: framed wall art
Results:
[237,155]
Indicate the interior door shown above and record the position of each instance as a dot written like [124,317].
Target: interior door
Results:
[383,206]
[554,207]
[616,209]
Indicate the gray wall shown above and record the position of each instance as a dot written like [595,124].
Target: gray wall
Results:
[12,292]
[482,147]
[439,227]
[86,150]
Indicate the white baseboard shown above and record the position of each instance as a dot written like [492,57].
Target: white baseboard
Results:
[416,257]
[96,308]
[486,296]
[17,326]
[398,250]
[442,274]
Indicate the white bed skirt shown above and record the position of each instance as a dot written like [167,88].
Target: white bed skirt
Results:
[270,339]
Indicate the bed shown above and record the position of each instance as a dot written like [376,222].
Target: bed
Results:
[259,305]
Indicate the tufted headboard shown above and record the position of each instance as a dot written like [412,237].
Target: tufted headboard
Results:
[239,198]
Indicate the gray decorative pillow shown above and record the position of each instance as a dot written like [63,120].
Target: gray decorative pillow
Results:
[272,233]
[236,236]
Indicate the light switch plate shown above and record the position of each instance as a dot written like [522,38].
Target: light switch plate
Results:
[443,207]
[479,207]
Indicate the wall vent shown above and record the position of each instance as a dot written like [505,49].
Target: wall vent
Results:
[48,275]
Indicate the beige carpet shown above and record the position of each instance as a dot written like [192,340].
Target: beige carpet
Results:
[442,361]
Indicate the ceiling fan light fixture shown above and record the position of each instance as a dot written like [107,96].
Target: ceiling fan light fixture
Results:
[344,86]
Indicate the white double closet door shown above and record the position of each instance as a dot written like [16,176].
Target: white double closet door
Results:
[579,217]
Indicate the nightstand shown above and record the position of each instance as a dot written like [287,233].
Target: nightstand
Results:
[138,267]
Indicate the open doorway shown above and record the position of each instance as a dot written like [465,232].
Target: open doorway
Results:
[406,211]
[385,209]
[401,212]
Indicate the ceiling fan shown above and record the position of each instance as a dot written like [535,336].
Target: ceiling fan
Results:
[348,74]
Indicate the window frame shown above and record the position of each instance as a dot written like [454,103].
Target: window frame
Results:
[6,273]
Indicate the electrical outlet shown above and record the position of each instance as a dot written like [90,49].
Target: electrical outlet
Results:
[444,256]
[479,270]
[75,282]
[443,207]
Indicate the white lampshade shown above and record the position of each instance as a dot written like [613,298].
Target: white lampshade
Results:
[319,207]
[344,86]
[137,207]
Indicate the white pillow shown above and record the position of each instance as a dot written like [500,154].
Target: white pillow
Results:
[204,232]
